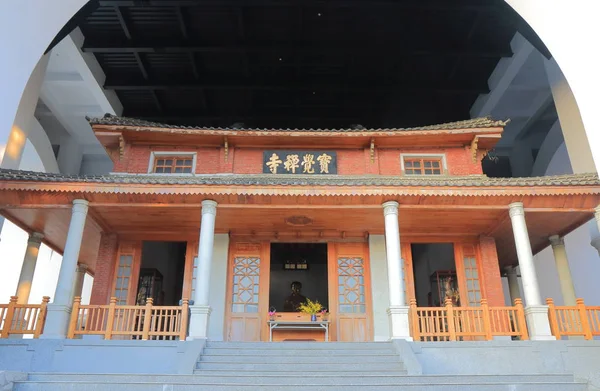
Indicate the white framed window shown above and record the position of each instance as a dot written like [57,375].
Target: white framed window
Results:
[174,162]
[423,164]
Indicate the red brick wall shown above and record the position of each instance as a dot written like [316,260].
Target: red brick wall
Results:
[105,266]
[491,272]
[249,160]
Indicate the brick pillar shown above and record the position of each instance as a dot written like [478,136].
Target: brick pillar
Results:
[491,271]
[105,266]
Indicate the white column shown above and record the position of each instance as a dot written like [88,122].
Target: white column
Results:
[200,310]
[398,310]
[79,277]
[562,267]
[596,241]
[513,283]
[28,268]
[535,312]
[57,318]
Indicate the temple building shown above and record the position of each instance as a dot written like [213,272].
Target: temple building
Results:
[397,233]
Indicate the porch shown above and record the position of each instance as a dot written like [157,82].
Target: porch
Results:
[479,218]
[427,324]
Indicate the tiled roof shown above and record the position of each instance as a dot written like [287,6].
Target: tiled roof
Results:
[304,180]
[111,120]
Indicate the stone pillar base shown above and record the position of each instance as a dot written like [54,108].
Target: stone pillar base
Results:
[538,323]
[399,323]
[199,315]
[57,321]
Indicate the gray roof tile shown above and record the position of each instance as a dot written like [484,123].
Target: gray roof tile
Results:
[111,120]
[305,180]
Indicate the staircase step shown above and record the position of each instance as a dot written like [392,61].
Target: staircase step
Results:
[297,352]
[287,379]
[300,386]
[300,345]
[304,367]
[305,359]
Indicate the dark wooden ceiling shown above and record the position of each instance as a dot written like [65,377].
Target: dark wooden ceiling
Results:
[292,63]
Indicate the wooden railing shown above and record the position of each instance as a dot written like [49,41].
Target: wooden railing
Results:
[22,318]
[129,321]
[450,323]
[571,321]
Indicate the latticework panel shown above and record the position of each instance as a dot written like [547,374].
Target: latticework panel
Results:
[351,285]
[122,279]
[472,280]
[246,274]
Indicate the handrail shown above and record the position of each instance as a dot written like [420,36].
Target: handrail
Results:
[22,319]
[450,323]
[129,321]
[578,320]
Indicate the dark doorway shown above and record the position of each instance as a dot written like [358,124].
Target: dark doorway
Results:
[161,273]
[434,271]
[305,263]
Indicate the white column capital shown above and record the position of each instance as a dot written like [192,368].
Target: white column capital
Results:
[596,243]
[209,207]
[516,209]
[35,238]
[81,268]
[80,206]
[390,207]
[510,270]
[556,240]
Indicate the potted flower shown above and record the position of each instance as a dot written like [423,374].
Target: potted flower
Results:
[312,308]
[324,315]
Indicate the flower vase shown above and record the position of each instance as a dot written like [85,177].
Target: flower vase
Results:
[313,318]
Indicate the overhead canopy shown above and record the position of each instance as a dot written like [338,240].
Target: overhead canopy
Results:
[168,207]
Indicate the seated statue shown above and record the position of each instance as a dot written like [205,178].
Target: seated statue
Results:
[294,300]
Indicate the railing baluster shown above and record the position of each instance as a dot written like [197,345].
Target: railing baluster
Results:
[74,318]
[585,325]
[111,318]
[10,313]
[184,320]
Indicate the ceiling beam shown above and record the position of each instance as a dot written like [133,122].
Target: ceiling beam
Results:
[413,4]
[127,84]
[391,49]
[122,22]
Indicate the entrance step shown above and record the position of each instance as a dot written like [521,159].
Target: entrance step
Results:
[287,379]
[153,386]
[303,359]
[298,366]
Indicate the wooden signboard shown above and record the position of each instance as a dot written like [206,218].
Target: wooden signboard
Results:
[300,162]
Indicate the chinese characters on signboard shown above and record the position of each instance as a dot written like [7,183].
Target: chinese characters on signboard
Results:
[300,162]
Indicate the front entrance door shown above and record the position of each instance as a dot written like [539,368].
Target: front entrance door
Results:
[350,292]
[247,291]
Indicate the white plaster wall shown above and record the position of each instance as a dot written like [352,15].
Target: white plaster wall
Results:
[566,27]
[218,286]
[584,261]
[379,287]
[12,250]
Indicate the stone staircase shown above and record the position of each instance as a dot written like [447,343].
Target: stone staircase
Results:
[298,366]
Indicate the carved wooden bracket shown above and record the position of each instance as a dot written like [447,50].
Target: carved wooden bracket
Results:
[226,146]
[121,146]
[372,150]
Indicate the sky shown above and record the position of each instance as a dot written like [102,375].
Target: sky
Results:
[13,242]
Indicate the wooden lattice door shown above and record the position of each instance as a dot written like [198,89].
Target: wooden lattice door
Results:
[247,291]
[350,292]
[126,274]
